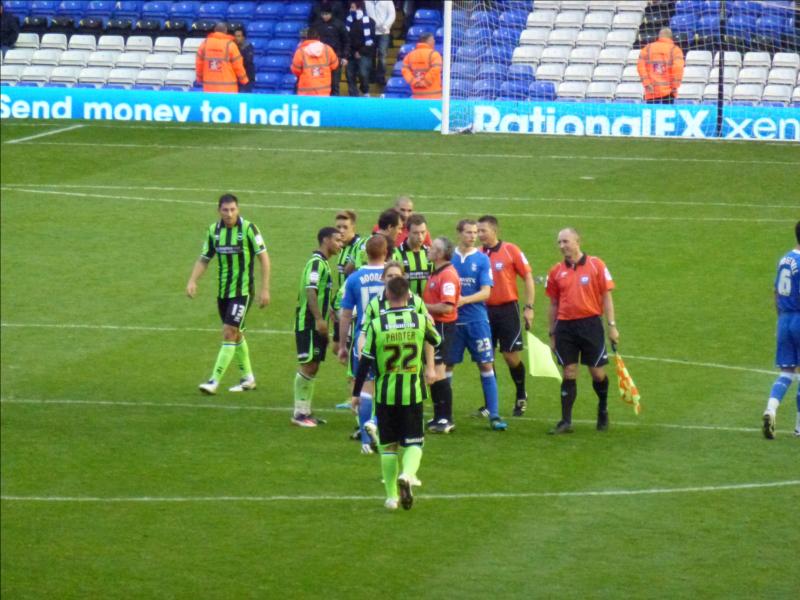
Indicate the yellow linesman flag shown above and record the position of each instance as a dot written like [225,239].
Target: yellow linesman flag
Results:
[628,391]
[540,358]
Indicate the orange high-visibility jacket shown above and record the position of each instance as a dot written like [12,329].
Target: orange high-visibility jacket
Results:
[422,69]
[219,66]
[312,64]
[661,68]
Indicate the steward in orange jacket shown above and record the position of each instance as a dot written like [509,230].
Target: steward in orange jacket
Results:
[219,66]
[661,69]
[313,63]
[422,69]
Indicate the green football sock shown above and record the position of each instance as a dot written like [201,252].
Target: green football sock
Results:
[243,358]
[223,360]
[412,456]
[303,393]
[389,468]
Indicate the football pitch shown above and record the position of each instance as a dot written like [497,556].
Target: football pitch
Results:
[119,480]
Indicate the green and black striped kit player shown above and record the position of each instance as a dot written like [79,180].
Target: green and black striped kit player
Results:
[316,275]
[235,247]
[347,255]
[416,266]
[361,252]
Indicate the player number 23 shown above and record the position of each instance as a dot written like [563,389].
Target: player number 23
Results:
[484,345]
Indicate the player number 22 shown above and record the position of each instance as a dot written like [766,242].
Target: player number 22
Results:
[408,352]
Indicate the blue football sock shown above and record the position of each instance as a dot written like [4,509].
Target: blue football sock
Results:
[780,386]
[364,415]
[489,384]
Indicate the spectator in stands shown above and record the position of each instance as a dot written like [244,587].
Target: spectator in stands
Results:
[248,56]
[361,33]
[9,30]
[313,64]
[333,33]
[219,65]
[661,69]
[334,7]
[383,14]
[422,69]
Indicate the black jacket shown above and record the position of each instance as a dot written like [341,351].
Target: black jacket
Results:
[362,30]
[248,60]
[9,29]
[335,35]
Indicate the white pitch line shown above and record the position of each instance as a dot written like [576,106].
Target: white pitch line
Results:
[288,332]
[387,196]
[289,409]
[45,134]
[304,207]
[407,153]
[352,498]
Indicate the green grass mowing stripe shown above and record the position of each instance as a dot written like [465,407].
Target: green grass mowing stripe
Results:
[352,194]
[306,207]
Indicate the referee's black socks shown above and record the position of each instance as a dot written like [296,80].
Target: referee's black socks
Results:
[569,390]
[442,397]
[518,377]
[601,389]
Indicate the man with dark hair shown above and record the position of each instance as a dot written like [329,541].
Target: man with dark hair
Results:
[313,64]
[311,324]
[579,288]
[235,241]
[361,32]
[442,296]
[472,326]
[394,349]
[248,57]
[333,33]
[389,224]
[415,254]
[345,264]
[787,354]
[508,262]
[218,65]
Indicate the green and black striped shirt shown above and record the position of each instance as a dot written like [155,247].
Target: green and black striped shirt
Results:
[316,276]
[346,256]
[360,253]
[417,267]
[395,341]
[235,247]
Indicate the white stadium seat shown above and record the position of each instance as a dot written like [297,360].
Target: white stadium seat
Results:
[696,74]
[36,73]
[186,62]
[757,59]
[607,73]
[555,54]
[786,59]
[600,90]
[573,89]
[621,37]
[114,43]
[780,76]
[550,72]
[95,75]
[10,74]
[541,18]
[181,78]
[711,92]
[154,77]
[139,43]
[796,95]
[700,58]
[777,93]
[167,44]
[584,54]
[27,40]
[563,37]
[68,75]
[535,36]
[131,60]
[748,92]
[19,56]
[526,55]
[74,58]
[628,91]
[631,73]
[47,56]
[753,75]
[159,60]
[57,41]
[730,75]
[103,58]
[598,20]
[603,5]
[614,55]
[82,42]
[732,59]
[569,19]
[578,72]
[123,76]
[633,56]
[591,37]
[691,91]
[190,45]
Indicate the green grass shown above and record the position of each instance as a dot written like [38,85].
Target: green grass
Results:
[258,509]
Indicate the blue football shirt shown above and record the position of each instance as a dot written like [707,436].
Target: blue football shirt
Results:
[360,287]
[474,271]
[787,282]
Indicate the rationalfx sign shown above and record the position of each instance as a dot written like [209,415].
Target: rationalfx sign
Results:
[636,120]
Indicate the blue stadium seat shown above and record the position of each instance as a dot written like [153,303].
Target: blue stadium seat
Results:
[259,44]
[477,35]
[289,29]
[242,12]
[128,10]
[485,89]
[460,88]
[278,64]
[683,25]
[710,7]
[740,27]
[428,18]
[709,29]
[779,8]
[261,29]
[492,72]
[269,11]
[462,71]
[439,35]
[297,11]
[43,8]
[268,80]
[499,54]
[514,90]
[506,35]
[289,81]
[404,49]
[522,73]
[100,9]
[260,62]
[156,11]
[543,91]
[415,31]
[184,10]
[212,10]
[684,7]
[484,18]
[398,87]
[514,18]
[18,8]
[140,86]
[71,8]
[468,53]
[744,7]
[282,47]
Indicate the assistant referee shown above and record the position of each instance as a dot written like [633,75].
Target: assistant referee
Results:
[579,289]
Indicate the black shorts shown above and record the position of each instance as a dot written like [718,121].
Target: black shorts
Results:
[447,331]
[233,311]
[506,327]
[584,338]
[400,424]
[311,346]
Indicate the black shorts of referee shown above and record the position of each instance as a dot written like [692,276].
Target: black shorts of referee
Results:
[506,326]
[447,331]
[581,340]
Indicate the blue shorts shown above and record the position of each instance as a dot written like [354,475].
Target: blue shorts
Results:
[475,336]
[787,354]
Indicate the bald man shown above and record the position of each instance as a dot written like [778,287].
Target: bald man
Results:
[661,69]
[579,288]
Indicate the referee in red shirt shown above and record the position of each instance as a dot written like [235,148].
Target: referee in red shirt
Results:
[508,262]
[580,292]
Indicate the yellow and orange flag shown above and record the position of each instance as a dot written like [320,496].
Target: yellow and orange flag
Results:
[628,392]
